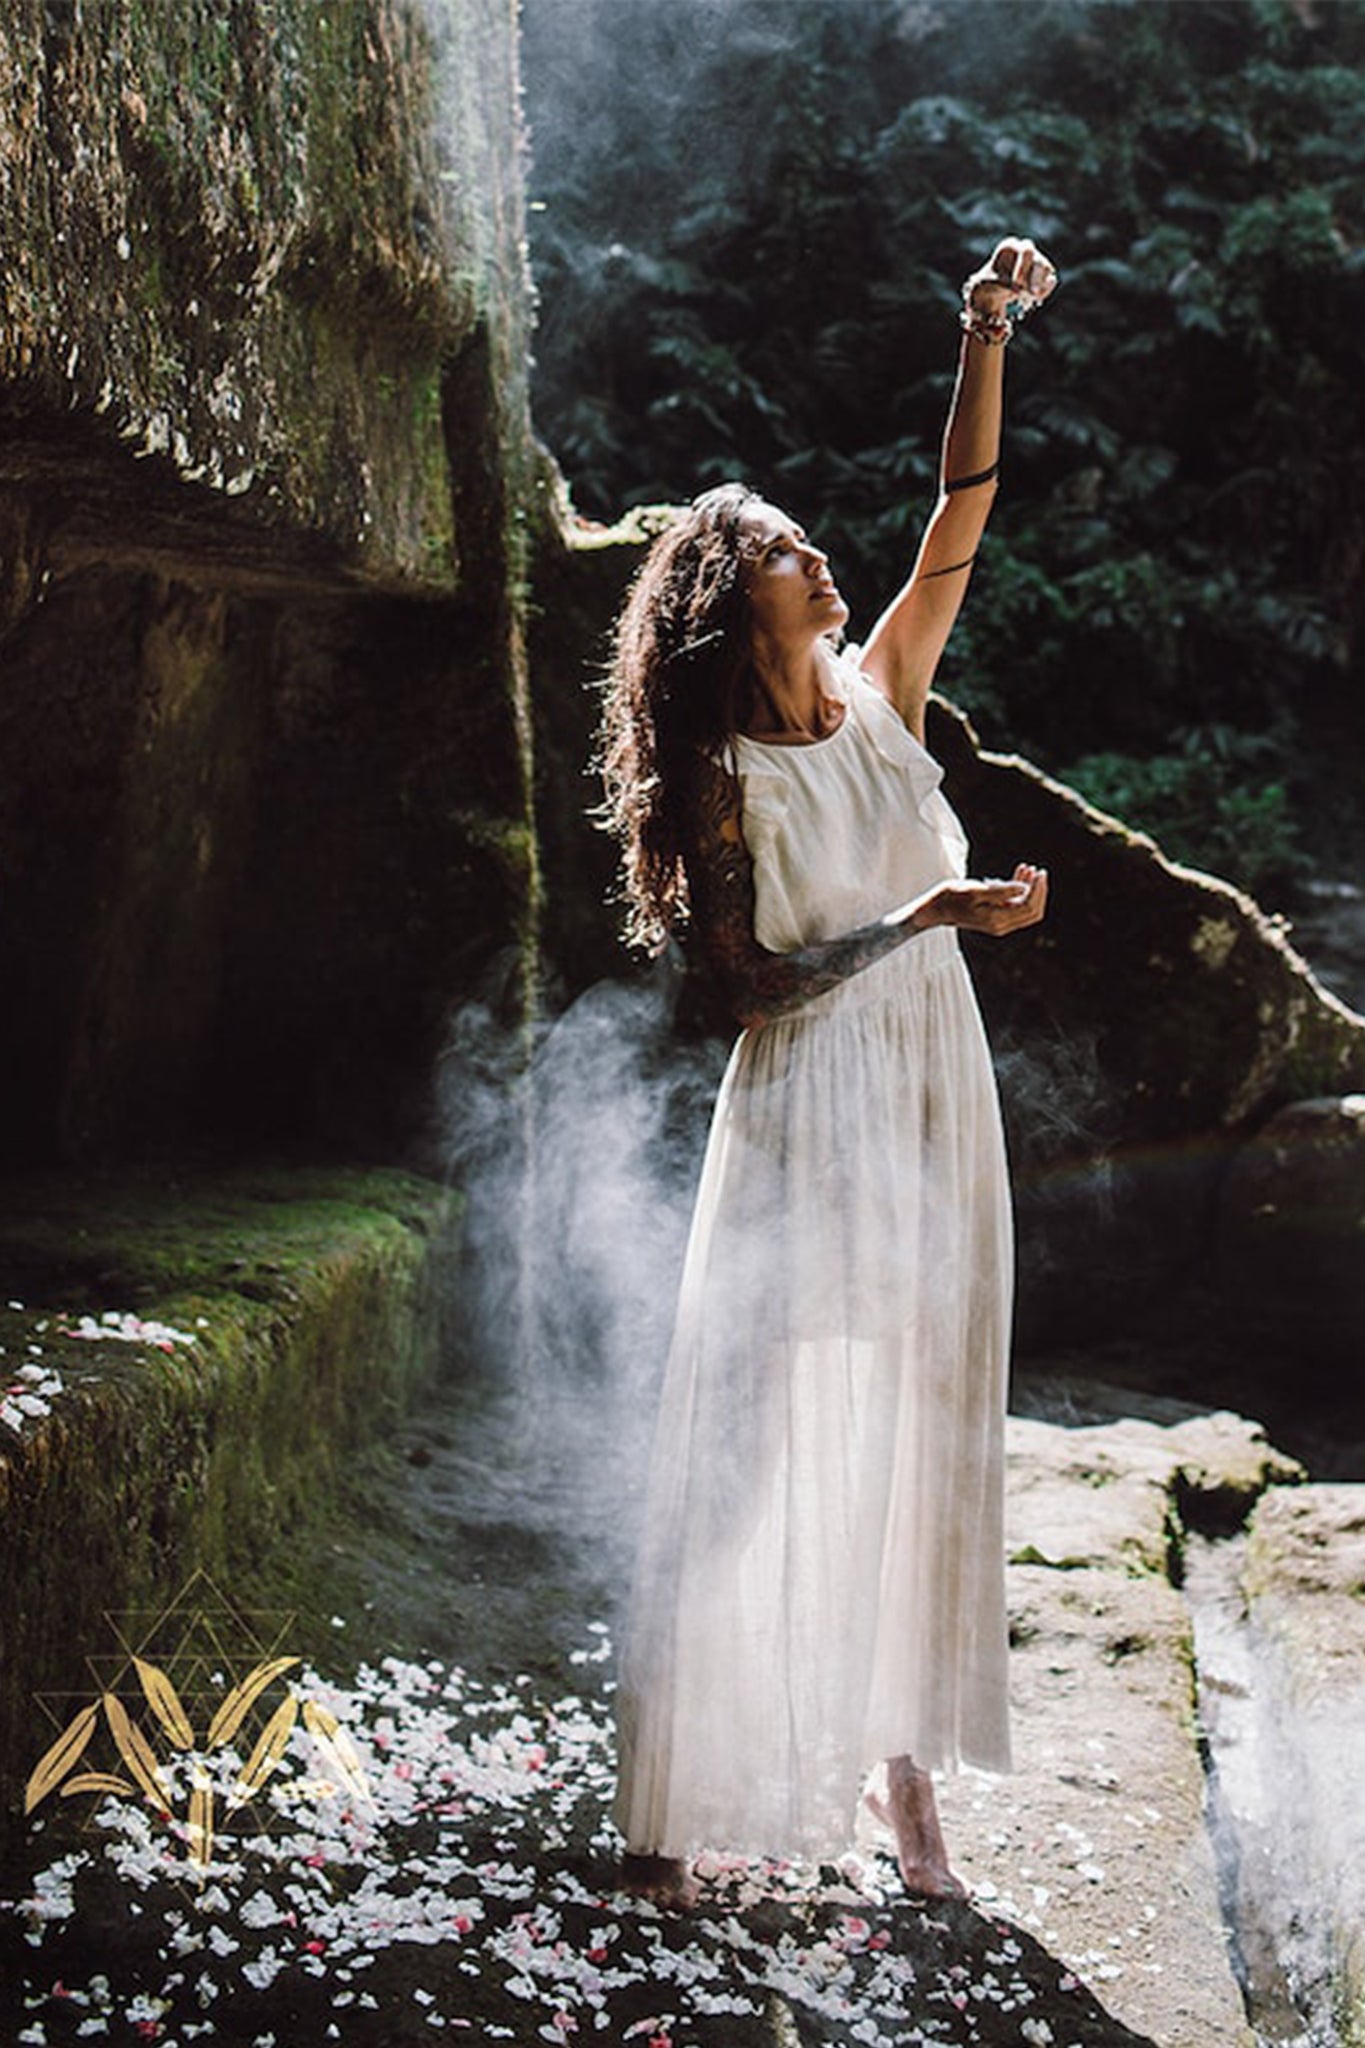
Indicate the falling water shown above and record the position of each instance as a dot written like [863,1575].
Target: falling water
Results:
[1280,1949]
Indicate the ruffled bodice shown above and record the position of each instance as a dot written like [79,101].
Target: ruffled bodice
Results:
[843,829]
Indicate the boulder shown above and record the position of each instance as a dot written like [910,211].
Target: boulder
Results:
[1202,1017]
[1149,1026]
[1291,1229]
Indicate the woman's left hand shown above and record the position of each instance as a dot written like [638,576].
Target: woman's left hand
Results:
[1018,276]
[992,907]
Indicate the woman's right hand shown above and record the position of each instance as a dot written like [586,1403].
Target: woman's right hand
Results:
[1017,275]
[991,907]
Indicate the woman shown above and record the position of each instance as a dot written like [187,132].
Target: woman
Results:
[821,1579]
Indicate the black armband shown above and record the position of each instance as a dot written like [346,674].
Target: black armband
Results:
[968,483]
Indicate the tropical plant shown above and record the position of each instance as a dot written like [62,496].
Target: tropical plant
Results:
[753,225]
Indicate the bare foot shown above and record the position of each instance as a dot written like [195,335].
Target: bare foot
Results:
[665,1880]
[911,1815]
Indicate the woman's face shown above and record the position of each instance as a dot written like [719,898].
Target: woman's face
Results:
[792,596]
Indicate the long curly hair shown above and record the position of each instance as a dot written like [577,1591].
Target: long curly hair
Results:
[679,685]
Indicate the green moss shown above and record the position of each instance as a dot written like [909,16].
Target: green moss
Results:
[304,210]
[314,1301]
[253,1231]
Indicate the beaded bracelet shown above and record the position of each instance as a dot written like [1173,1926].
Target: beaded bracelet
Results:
[993,330]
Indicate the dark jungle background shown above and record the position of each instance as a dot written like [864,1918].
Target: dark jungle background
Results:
[750,222]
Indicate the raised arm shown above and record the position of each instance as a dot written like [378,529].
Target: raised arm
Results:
[759,985]
[902,651]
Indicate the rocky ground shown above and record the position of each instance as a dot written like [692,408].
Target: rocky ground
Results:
[452,1869]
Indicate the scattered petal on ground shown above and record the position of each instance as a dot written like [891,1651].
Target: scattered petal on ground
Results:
[115,1328]
[27,1388]
[474,1889]
[30,1381]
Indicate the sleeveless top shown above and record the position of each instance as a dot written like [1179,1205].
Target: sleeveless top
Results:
[816,818]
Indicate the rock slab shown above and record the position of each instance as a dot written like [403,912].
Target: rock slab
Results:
[266,477]
[1099,1844]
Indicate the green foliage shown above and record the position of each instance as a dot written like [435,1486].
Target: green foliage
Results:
[1209,803]
[754,225]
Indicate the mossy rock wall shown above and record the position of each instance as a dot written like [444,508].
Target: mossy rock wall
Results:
[580,576]
[253,241]
[266,477]
[254,856]
[308,1309]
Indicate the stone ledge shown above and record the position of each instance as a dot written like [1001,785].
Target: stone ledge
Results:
[1119,1494]
[1099,1845]
[273,1323]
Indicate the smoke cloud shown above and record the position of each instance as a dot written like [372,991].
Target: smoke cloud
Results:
[577,1147]
[578,1151]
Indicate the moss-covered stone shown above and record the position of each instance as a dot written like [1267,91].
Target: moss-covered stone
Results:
[1152,1022]
[266,483]
[308,1307]
[252,237]
[1203,1018]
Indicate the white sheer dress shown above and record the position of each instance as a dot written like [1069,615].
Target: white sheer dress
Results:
[821,1577]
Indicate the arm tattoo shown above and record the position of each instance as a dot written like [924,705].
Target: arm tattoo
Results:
[761,985]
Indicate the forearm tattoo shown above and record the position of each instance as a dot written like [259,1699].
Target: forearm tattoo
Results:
[761,985]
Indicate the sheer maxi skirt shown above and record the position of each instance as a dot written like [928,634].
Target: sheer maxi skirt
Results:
[821,1575]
